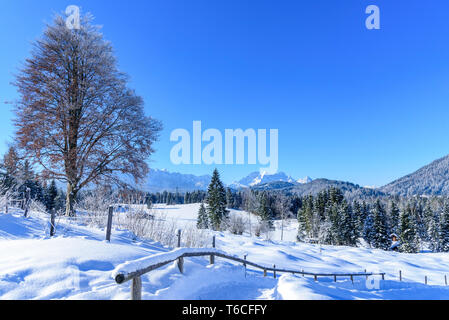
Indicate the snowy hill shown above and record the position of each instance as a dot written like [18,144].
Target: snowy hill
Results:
[432,179]
[78,263]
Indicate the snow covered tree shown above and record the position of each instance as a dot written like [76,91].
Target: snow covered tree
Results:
[76,117]
[264,209]
[433,232]
[229,198]
[302,225]
[282,205]
[348,234]
[305,214]
[358,218]
[202,220]
[380,234]
[216,202]
[394,217]
[444,230]
[408,232]
[51,193]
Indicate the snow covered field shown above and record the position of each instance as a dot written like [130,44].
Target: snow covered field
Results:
[78,263]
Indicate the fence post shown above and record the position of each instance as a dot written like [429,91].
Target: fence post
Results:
[425,279]
[52,222]
[445,279]
[6,209]
[27,201]
[179,237]
[180,260]
[352,279]
[383,276]
[335,278]
[264,272]
[181,265]
[274,271]
[212,257]
[400,275]
[302,271]
[366,275]
[136,288]
[109,226]
[244,264]
[315,277]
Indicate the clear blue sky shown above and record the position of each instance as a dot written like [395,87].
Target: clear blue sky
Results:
[366,106]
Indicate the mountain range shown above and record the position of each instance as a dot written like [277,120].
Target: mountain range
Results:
[432,179]
[161,179]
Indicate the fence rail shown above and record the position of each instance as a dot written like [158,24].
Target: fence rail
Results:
[122,275]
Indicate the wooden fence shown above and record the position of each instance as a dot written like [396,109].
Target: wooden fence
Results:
[135,276]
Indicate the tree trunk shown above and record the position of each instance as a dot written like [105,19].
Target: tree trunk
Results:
[70,200]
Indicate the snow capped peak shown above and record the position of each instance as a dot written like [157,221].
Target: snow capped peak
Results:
[256,178]
[304,180]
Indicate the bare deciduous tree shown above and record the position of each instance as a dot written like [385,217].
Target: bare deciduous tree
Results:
[76,117]
[283,204]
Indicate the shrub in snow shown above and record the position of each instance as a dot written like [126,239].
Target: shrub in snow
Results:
[236,225]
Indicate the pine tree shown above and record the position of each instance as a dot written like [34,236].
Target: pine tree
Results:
[229,198]
[216,201]
[348,235]
[444,230]
[264,210]
[358,218]
[50,196]
[334,236]
[433,232]
[394,217]
[380,228]
[203,220]
[305,217]
[408,232]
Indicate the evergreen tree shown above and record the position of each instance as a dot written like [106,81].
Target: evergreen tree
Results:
[444,230]
[368,228]
[358,219]
[187,197]
[305,216]
[264,209]
[50,196]
[302,225]
[216,201]
[380,228]
[334,237]
[433,232]
[169,198]
[408,232]
[348,234]
[394,217]
[203,220]
[229,198]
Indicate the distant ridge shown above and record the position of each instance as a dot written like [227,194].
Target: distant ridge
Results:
[163,180]
[432,179]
